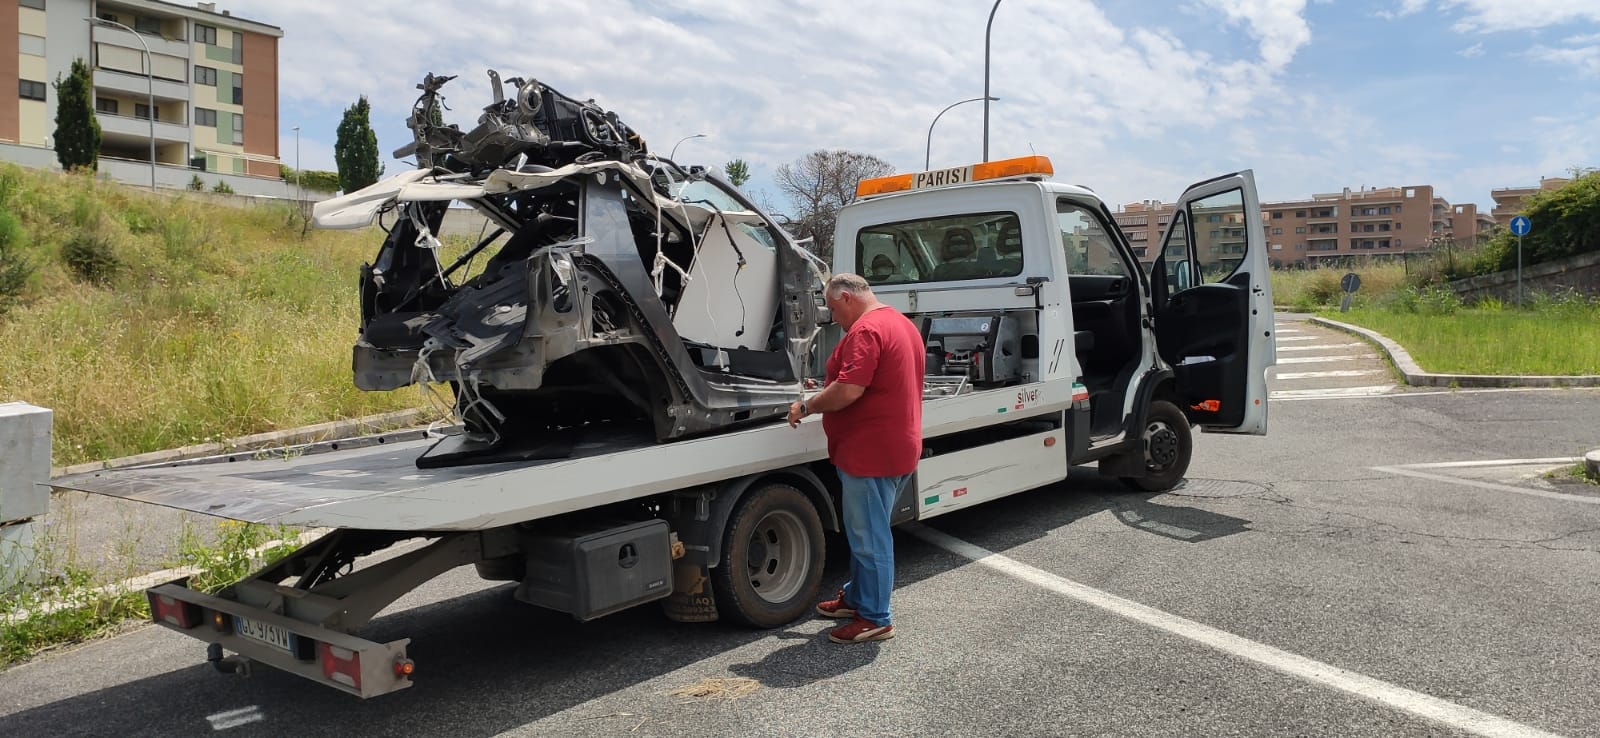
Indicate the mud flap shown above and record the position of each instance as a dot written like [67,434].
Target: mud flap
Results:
[692,600]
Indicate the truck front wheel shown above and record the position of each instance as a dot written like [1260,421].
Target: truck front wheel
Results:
[772,553]
[1168,444]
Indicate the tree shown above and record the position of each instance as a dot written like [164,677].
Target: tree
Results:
[355,149]
[820,183]
[77,130]
[738,172]
[1566,222]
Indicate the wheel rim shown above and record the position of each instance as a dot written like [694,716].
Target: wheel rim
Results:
[1161,445]
[778,555]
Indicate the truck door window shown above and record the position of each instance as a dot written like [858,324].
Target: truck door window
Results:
[959,247]
[1089,248]
[1219,234]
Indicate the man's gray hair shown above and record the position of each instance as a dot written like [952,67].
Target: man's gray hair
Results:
[853,283]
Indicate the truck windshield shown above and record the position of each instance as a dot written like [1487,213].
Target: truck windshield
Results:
[951,248]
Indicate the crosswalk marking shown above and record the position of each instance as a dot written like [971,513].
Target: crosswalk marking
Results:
[1332,373]
[1316,359]
[1321,347]
[1297,338]
[1376,390]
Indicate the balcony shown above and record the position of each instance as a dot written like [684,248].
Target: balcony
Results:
[135,85]
[113,36]
[124,129]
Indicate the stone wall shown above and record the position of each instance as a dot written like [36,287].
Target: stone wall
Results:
[1581,273]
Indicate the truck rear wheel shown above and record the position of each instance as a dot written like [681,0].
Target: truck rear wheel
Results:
[1168,445]
[772,552]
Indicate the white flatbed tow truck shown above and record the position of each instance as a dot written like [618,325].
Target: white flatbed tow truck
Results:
[1049,346]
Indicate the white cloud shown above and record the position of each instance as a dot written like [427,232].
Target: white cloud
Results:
[1405,8]
[1489,16]
[1473,51]
[1279,25]
[1585,58]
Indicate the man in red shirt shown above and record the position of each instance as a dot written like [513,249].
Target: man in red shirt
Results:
[871,405]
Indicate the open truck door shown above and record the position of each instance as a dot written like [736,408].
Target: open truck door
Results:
[1213,305]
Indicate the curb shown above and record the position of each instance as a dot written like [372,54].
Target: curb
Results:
[338,429]
[1416,377]
[1591,464]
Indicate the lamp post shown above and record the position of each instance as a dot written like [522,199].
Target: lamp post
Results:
[927,158]
[149,83]
[674,155]
[986,97]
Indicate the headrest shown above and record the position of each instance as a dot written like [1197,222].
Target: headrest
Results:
[958,244]
[1010,241]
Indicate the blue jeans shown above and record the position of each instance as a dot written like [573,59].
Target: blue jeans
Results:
[868,502]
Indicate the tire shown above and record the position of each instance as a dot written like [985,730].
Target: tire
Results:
[772,554]
[1168,445]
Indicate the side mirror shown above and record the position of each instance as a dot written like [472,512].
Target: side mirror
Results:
[1181,279]
[824,314]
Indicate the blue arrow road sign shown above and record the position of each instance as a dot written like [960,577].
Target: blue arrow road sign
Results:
[1520,225]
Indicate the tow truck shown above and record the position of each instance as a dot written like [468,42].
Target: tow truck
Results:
[1049,347]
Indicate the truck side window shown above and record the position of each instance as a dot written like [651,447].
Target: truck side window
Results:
[1219,234]
[951,248]
[1089,248]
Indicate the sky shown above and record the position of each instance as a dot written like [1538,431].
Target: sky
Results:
[1135,100]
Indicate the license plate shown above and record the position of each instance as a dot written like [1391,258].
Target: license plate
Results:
[267,633]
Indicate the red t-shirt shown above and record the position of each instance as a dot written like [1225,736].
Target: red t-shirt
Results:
[880,434]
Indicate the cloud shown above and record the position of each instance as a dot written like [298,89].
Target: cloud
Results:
[1489,16]
[1279,25]
[1471,52]
[1406,7]
[1585,58]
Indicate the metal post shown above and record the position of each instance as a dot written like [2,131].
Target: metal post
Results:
[1519,270]
[986,97]
[299,189]
[149,85]
[927,157]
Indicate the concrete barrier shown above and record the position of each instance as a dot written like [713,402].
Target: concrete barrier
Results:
[24,470]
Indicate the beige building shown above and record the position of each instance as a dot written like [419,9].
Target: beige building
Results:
[213,78]
[1362,222]
[1508,200]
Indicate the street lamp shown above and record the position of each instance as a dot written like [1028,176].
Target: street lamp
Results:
[674,155]
[149,83]
[986,97]
[927,158]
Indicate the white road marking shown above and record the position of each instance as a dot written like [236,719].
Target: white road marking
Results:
[1320,347]
[1317,672]
[1494,462]
[1403,471]
[1330,373]
[235,718]
[1289,330]
[1332,393]
[1296,338]
[1315,359]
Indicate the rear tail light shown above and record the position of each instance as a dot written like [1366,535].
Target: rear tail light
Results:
[164,609]
[404,668]
[222,622]
[340,664]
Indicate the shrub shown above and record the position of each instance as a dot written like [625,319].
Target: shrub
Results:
[91,258]
[14,269]
[197,184]
[222,188]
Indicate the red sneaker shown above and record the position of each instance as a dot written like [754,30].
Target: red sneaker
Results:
[861,630]
[835,608]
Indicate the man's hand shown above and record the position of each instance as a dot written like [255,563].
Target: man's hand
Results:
[795,414]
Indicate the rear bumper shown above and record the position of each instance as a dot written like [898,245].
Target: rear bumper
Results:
[331,658]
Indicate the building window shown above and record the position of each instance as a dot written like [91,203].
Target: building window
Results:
[205,34]
[1300,229]
[1277,215]
[1383,226]
[205,117]
[1277,231]
[35,4]
[30,45]
[205,76]
[141,111]
[1383,210]
[30,90]
[147,25]
[105,105]
[238,129]
[238,89]
[238,48]
[1299,213]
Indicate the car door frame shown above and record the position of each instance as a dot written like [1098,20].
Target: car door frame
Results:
[1219,338]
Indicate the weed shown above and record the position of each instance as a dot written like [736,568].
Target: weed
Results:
[15,269]
[91,258]
[197,184]
[222,188]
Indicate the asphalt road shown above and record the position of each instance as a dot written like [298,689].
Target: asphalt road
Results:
[1336,577]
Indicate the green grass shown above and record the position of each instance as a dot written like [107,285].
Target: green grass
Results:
[208,322]
[1490,341]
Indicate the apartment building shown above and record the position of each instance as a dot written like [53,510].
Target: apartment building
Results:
[201,83]
[1375,221]
[1508,200]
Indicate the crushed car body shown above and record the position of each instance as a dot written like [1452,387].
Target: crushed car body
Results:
[618,292]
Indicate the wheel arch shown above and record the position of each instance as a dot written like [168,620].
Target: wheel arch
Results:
[704,537]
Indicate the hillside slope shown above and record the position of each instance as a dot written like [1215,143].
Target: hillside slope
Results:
[152,321]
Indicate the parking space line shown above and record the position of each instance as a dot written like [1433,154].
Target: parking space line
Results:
[1395,696]
[1405,472]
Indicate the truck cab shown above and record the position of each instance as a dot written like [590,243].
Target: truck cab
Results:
[1017,280]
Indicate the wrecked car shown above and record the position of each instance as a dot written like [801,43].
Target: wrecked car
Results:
[618,292]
